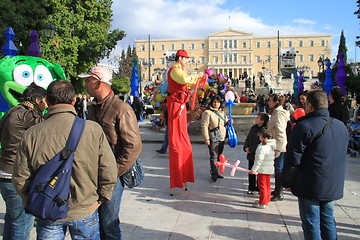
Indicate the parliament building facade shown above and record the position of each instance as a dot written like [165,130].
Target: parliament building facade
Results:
[232,53]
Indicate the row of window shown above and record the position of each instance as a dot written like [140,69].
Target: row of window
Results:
[290,43]
[234,44]
[234,58]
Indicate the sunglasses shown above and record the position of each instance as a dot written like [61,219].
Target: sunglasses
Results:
[92,73]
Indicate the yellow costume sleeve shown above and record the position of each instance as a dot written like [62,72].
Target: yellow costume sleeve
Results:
[179,76]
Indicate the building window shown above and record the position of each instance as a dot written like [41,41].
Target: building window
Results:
[192,46]
[203,46]
[152,47]
[162,60]
[172,46]
[244,44]
[257,44]
[230,57]
[216,59]
[152,61]
[225,44]
[311,57]
[216,45]
[142,47]
[162,47]
[268,44]
[258,59]
[311,43]
[301,58]
[268,58]
[243,58]
[323,43]
[235,57]
[280,44]
[301,43]
[230,43]
[235,43]
[182,46]
[290,43]
[225,57]
[202,60]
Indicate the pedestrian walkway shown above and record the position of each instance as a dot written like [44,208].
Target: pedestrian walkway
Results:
[217,210]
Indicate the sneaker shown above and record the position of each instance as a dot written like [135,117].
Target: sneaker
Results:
[260,206]
[252,192]
[161,151]
[219,176]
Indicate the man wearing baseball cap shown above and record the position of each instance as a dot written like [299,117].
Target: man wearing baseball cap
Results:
[180,150]
[119,123]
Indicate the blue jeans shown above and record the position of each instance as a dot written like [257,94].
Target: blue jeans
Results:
[279,163]
[317,219]
[165,143]
[18,224]
[86,228]
[109,214]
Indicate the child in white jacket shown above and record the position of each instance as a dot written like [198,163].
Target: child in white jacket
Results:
[264,166]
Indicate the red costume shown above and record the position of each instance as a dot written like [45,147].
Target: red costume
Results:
[180,150]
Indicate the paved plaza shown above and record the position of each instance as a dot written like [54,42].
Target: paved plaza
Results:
[217,210]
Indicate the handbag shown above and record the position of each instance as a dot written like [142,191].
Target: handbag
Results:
[135,175]
[215,134]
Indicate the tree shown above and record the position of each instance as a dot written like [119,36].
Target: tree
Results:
[358,16]
[121,85]
[82,30]
[22,16]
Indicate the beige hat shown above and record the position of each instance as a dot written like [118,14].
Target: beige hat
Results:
[101,73]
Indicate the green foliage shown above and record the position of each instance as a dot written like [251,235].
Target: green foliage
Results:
[82,31]
[121,85]
[353,84]
[358,16]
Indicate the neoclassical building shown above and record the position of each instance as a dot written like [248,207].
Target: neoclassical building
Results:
[233,53]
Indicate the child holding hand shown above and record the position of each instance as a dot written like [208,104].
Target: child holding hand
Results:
[264,166]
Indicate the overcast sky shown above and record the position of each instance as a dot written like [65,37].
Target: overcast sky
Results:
[198,18]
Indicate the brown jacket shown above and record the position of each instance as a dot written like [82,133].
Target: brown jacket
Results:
[277,126]
[94,169]
[120,125]
[12,127]
[210,120]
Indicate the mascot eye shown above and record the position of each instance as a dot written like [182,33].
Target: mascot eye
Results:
[23,75]
[42,76]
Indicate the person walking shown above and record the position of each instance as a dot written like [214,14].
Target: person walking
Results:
[277,127]
[13,124]
[181,163]
[314,168]
[119,123]
[213,119]
[337,108]
[93,172]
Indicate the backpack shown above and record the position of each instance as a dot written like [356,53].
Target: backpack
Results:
[50,188]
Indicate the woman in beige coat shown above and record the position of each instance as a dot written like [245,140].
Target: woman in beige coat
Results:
[211,119]
[277,127]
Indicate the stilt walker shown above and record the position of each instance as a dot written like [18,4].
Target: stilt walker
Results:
[181,164]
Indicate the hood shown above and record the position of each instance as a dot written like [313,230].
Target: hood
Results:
[271,143]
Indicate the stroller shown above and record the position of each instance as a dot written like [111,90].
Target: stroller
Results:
[354,139]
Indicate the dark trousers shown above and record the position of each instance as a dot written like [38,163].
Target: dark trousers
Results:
[252,178]
[215,149]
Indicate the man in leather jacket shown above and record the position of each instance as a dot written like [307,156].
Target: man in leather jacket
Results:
[119,123]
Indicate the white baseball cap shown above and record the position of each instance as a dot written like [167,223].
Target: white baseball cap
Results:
[101,73]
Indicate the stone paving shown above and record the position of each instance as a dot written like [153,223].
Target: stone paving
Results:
[216,210]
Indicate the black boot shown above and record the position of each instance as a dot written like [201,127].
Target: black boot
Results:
[278,191]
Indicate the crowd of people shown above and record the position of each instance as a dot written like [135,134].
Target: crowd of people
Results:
[306,151]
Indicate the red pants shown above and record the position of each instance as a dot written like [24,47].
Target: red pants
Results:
[265,188]
[180,151]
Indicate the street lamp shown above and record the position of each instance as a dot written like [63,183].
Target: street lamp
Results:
[321,63]
[49,30]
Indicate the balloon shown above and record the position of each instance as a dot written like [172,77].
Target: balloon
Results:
[224,163]
[230,96]
[298,113]
[201,81]
[208,71]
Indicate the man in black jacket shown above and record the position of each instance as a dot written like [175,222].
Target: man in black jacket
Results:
[314,167]
[337,108]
